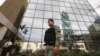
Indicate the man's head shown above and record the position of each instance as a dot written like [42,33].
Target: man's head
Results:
[50,22]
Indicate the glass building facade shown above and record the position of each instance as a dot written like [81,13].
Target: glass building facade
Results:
[76,18]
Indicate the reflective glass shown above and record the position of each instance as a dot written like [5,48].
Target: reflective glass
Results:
[31,6]
[37,23]
[45,23]
[40,7]
[92,19]
[74,25]
[48,2]
[29,13]
[82,26]
[69,10]
[82,11]
[36,35]
[33,1]
[27,22]
[79,17]
[56,15]
[47,14]
[86,18]
[39,14]
[56,8]
[76,11]
[61,4]
[67,5]
[41,1]
[72,17]
[48,7]
[62,9]
[55,2]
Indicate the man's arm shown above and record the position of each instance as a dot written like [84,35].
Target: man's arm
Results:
[58,35]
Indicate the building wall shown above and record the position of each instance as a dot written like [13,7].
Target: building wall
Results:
[11,8]
[11,13]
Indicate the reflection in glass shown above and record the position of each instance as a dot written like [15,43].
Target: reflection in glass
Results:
[39,14]
[36,35]
[41,1]
[32,6]
[48,7]
[74,25]
[72,17]
[29,13]
[33,1]
[86,18]
[45,23]
[69,10]
[61,4]
[27,22]
[40,7]
[79,17]
[56,8]
[82,26]
[47,14]
[76,11]
[62,9]
[67,5]
[48,2]
[54,2]
[56,15]
[37,23]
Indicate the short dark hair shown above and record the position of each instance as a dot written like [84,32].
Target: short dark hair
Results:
[50,19]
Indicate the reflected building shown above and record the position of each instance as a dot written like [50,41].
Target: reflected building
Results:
[74,17]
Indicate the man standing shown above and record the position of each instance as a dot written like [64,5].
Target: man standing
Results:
[51,39]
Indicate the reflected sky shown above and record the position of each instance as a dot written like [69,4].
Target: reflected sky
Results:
[39,11]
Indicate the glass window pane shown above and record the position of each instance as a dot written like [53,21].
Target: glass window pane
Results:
[69,10]
[79,17]
[29,13]
[84,6]
[27,22]
[45,23]
[26,36]
[61,4]
[62,9]
[41,1]
[77,32]
[59,23]
[54,2]
[79,6]
[82,26]
[40,7]
[67,5]
[86,18]
[48,7]
[74,5]
[39,14]
[82,11]
[31,6]
[56,15]
[36,35]
[76,11]
[47,1]
[37,23]
[47,14]
[85,32]
[33,1]
[92,19]
[55,8]
[71,16]
[74,25]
